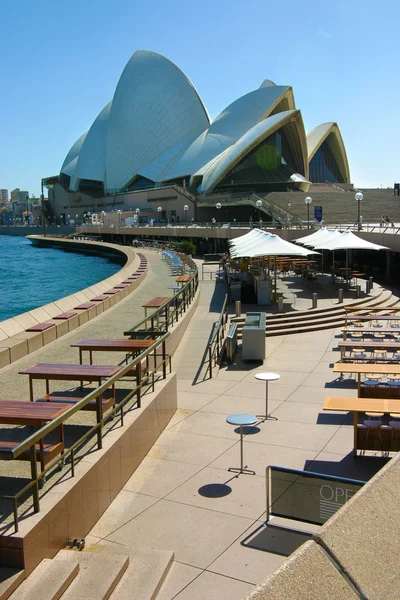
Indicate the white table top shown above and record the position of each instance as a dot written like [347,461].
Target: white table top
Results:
[267,376]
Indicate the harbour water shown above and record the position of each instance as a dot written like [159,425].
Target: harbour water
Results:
[31,276]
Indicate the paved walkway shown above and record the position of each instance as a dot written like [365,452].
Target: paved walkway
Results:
[183,498]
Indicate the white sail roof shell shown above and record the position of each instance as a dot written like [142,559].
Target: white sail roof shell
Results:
[155,109]
[230,125]
[72,155]
[213,172]
[91,162]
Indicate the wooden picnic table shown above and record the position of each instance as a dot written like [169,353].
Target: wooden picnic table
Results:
[390,345]
[69,372]
[155,303]
[17,412]
[356,405]
[184,278]
[365,369]
[113,345]
[369,330]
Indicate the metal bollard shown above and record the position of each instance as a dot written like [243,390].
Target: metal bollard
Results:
[367,288]
[358,291]
[314,300]
[340,295]
[280,304]
[371,283]
[238,308]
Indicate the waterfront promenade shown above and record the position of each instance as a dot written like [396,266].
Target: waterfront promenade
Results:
[182,497]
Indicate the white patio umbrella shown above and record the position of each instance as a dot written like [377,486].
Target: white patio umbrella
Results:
[348,241]
[313,237]
[246,242]
[271,245]
[327,235]
[253,235]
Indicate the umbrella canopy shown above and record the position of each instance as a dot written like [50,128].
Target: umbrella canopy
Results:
[348,241]
[247,238]
[330,234]
[270,245]
[308,240]
[243,244]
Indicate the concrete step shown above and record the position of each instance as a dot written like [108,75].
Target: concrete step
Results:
[145,575]
[98,575]
[302,329]
[48,581]
[10,579]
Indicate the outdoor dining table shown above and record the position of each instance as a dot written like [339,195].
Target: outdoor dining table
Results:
[365,369]
[370,317]
[69,372]
[110,345]
[17,412]
[369,345]
[369,330]
[155,303]
[356,405]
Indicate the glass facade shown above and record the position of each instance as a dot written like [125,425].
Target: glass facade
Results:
[272,162]
[323,166]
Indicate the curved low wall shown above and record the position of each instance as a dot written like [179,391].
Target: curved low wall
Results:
[16,342]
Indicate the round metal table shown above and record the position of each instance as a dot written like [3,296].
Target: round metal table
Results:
[241,420]
[267,377]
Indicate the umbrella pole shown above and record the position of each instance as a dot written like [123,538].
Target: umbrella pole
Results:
[333,266]
[275,278]
[322,263]
[347,268]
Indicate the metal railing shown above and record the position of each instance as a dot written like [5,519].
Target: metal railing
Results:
[158,322]
[147,380]
[218,336]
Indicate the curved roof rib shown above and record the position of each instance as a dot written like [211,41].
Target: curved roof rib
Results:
[218,167]
[329,132]
[156,112]
[229,127]
[68,165]
[91,161]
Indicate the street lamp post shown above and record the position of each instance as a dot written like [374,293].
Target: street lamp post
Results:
[308,201]
[218,206]
[159,210]
[259,205]
[68,217]
[119,217]
[42,209]
[186,208]
[359,196]
[137,211]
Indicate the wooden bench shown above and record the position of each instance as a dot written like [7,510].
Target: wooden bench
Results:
[100,298]
[44,452]
[40,327]
[85,306]
[107,403]
[65,315]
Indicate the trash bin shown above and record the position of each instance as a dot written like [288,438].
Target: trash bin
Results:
[236,291]
[253,336]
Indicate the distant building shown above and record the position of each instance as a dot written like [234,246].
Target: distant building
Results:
[18,195]
[3,196]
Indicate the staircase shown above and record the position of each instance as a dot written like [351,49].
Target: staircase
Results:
[340,206]
[317,318]
[101,572]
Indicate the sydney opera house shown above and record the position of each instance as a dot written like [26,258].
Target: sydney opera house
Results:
[156,132]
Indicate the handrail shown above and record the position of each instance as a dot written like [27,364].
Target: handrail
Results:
[49,427]
[215,343]
[186,294]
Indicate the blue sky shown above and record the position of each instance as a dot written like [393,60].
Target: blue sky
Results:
[60,63]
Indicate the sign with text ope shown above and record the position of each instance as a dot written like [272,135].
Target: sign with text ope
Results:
[306,496]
